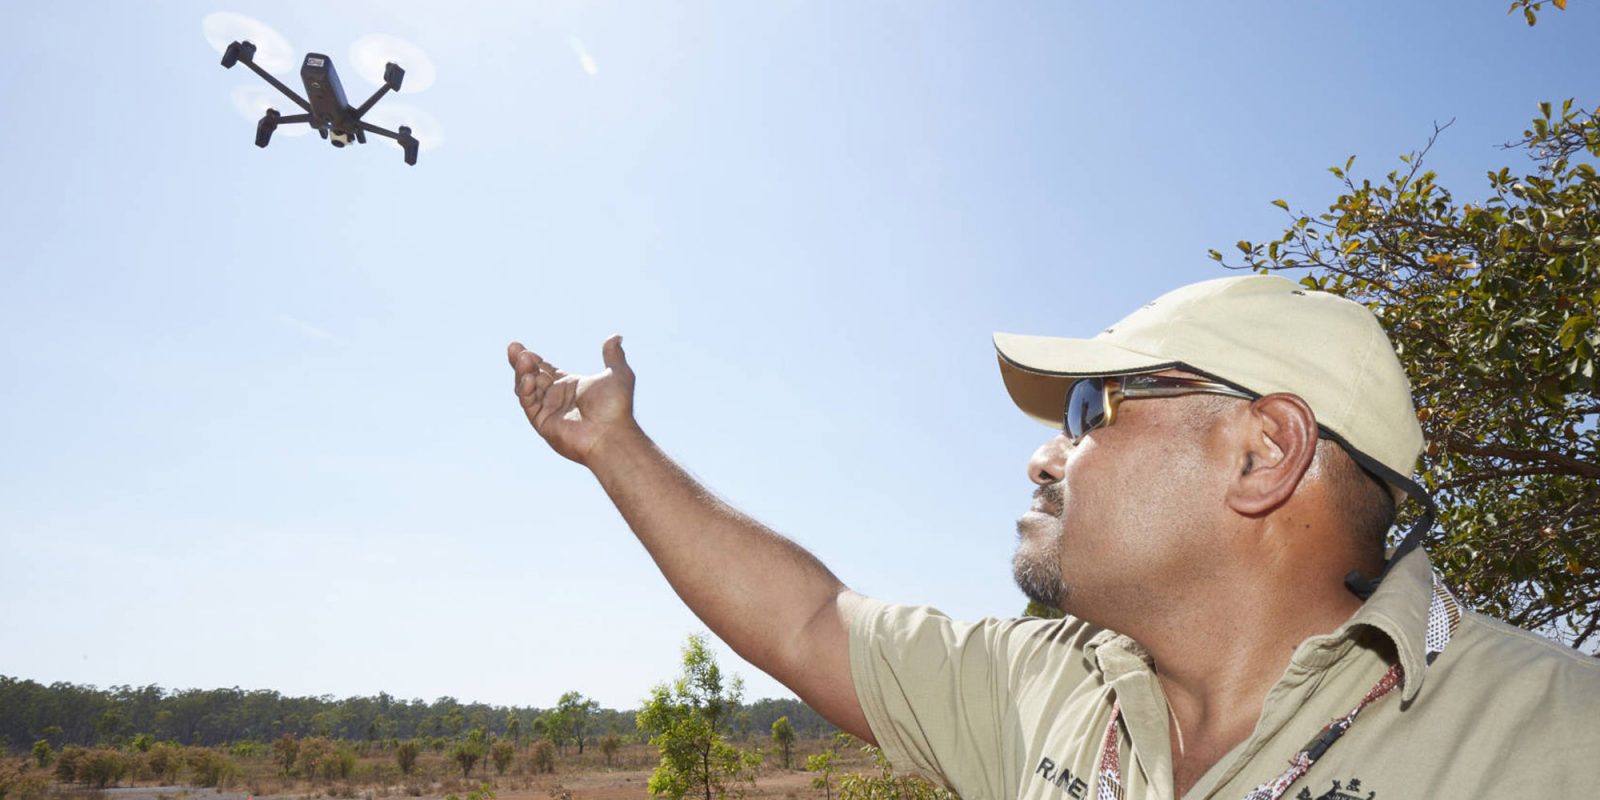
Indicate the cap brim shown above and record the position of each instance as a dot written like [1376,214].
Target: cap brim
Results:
[1038,369]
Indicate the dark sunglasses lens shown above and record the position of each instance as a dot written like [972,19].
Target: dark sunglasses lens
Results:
[1085,407]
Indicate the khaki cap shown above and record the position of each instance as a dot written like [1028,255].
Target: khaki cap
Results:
[1262,333]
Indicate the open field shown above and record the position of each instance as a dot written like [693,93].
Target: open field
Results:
[375,775]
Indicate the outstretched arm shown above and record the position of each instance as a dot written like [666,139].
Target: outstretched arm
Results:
[771,601]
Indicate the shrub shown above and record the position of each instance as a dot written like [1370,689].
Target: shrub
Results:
[406,755]
[210,768]
[543,756]
[143,742]
[466,755]
[17,784]
[344,761]
[102,767]
[822,764]
[42,752]
[285,751]
[67,763]
[483,792]
[163,762]
[246,749]
[887,784]
[609,745]
[10,776]
[783,735]
[501,754]
[312,755]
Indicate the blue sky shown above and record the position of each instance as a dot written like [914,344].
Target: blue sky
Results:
[256,418]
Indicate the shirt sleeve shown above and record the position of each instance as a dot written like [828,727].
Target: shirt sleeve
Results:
[940,695]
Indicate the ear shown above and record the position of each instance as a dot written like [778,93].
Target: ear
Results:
[1279,440]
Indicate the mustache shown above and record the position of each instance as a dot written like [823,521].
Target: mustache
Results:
[1051,496]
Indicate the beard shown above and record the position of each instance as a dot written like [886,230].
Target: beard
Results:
[1037,563]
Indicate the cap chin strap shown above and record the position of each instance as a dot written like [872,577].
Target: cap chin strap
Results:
[1361,585]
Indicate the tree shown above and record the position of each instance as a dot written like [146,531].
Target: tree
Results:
[164,761]
[687,721]
[454,720]
[104,766]
[42,752]
[211,768]
[406,756]
[501,753]
[514,728]
[285,751]
[467,753]
[314,757]
[823,764]
[543,756]
[1492,305]
[68,762]
[572,717]
[549,726]
[783,736]
[609,745]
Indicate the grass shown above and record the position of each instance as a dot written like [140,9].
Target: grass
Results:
[375,774]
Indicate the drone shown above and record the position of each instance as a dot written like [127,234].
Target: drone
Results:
[328,112]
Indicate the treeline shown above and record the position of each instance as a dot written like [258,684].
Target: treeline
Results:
[72,714]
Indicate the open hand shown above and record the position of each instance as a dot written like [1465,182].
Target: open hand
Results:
[575,413]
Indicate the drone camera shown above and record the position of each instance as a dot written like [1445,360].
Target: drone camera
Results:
[392,76]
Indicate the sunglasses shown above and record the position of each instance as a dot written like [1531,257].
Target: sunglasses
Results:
[1092,402]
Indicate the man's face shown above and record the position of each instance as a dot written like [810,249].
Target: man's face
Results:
[1129,508]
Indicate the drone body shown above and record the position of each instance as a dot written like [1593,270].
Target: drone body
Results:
[327,111]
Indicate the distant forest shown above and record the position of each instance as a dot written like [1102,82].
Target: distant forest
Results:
[65,713]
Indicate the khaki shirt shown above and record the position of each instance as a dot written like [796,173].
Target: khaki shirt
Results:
[1019,708]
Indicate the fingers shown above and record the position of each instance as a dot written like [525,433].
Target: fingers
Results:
[611,352]
[546,392]
[526,362]
[531,377]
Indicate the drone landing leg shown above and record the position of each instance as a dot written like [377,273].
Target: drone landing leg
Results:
[407,141]
[270,123]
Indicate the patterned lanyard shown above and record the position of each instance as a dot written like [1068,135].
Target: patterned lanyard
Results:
[1444,614]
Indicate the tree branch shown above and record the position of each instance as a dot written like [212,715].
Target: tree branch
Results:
[1461,444]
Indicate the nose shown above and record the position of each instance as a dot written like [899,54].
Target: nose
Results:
[1048,462]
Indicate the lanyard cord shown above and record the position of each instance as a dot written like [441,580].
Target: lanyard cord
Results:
[1444,614]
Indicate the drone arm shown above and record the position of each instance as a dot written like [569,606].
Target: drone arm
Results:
[371,101]
[267,76]
[370,128]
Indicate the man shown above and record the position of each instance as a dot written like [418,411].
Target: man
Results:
[1212,518]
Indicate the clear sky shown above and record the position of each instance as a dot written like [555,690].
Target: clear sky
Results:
[256,423]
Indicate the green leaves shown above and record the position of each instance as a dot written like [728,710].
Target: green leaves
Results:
[1492,305]
[1530,9]
[687,722]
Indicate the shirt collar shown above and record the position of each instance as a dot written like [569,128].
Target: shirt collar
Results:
[1399,610]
